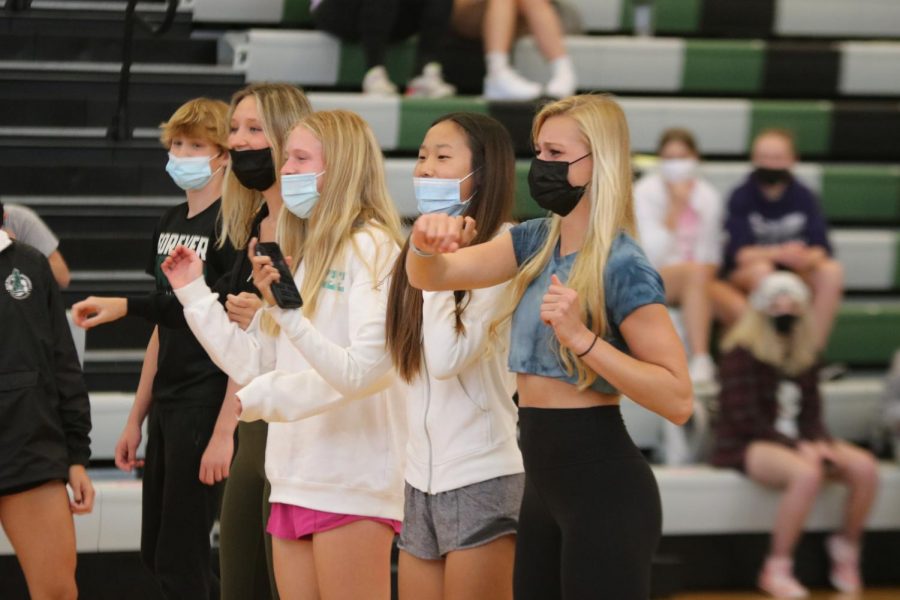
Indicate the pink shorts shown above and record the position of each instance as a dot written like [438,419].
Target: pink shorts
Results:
[289,522]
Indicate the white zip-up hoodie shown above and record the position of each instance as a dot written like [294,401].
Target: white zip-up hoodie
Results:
[461,415]
[338,425]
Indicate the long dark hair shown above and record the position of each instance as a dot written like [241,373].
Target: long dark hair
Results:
[493,161]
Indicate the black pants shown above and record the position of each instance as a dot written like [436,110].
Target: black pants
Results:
[178,510]
[591,515]
[376,23]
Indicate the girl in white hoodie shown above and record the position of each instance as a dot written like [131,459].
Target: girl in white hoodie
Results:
[464,472]
[320,375]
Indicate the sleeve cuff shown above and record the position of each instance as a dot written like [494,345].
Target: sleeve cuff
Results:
[251,405]
[193,292]
[293,322]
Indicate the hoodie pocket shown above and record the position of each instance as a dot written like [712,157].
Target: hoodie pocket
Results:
[17,380]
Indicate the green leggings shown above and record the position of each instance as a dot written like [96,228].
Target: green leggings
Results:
[245,549]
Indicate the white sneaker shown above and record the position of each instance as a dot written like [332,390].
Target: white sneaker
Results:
[507,84]
[563,84]
[702,369]
[430,84]
[377,83]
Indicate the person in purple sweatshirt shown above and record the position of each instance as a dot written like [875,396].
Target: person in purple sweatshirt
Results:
[773,223]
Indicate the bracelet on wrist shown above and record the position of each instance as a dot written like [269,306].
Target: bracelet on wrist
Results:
[418,252]
[591,347]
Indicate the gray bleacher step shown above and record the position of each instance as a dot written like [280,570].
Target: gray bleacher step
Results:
[851,407]
[89,18]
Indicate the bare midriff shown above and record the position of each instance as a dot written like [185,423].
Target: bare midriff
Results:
[536,391]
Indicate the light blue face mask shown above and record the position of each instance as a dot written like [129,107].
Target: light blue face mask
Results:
[300,193]
[435,195]
[190,172]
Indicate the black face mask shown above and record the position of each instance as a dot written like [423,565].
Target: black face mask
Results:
[784,324]
[768,176]
[254,168]
[548,181]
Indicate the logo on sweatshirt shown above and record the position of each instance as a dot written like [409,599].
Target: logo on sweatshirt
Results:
[334,280]
[18,285]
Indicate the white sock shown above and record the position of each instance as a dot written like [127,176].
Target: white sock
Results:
[496,62]
[561,65]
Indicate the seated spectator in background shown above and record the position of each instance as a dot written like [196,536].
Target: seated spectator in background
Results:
[679,218]
[496,22]
[766,356]
[774,222]
[24,225]
[377,23]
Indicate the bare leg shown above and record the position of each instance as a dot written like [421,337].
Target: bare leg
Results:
[39,525]
[728,302]
[777,466]
[499,25]
[420,579]
[543,21]
[295,569]
[748,276]
[482,572]
[354,561]
[858,469]
[686,284]
[827,283]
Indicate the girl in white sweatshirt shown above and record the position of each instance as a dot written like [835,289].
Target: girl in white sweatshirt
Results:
[464,472]
[320,375]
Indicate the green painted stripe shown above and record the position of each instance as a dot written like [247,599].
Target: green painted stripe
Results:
[865,334]
[897,269]
[810,122]
[399,62]
[296,12]
[861,193]
[417,115]
[669,16]
[723,66]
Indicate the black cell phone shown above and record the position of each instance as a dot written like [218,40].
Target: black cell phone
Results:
[285,290]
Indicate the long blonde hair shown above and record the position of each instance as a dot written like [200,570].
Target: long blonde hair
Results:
[755,333]
[280,105]
[602,123]
[354,198]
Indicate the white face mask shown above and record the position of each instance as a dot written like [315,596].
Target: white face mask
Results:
[434,195]
[678,169]
[300,193]
[190,172]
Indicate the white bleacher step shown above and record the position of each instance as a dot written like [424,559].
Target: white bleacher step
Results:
[109,413]
[851,408]
[696,500]
[869,257]
[700,500]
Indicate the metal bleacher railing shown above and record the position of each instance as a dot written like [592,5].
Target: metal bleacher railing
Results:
[119,129]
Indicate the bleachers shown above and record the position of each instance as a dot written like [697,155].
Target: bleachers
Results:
[724,68]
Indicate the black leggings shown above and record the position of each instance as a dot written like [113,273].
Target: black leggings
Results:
[376,23]
[591,515]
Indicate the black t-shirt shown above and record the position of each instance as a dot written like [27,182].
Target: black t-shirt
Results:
[185,374]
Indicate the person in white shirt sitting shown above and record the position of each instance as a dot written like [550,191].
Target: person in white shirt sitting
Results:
[679,217]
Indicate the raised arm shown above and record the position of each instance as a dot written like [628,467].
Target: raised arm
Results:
[241,354]
[446,266]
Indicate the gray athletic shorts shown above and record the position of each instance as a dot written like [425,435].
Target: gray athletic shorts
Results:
[435,524]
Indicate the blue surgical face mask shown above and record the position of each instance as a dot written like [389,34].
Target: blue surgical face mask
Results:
[435,195]
[190,172]
[300,193]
